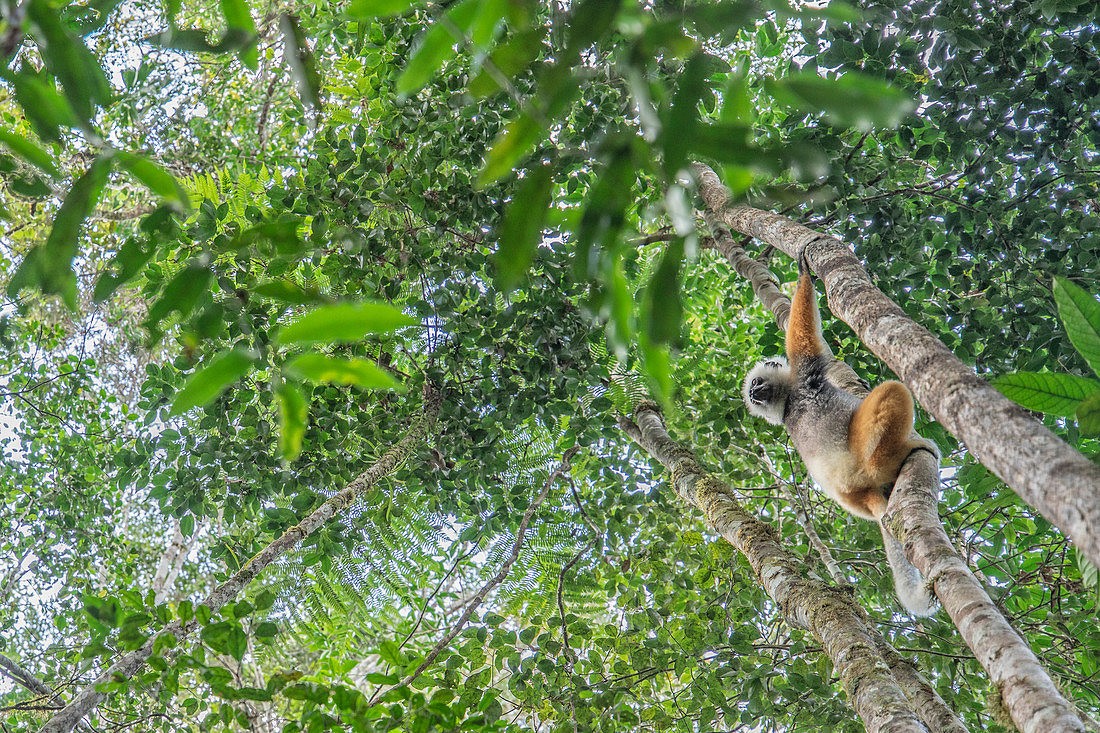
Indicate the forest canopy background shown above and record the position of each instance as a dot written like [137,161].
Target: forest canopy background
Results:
[245,243]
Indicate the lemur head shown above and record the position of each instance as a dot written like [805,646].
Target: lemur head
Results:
[766,388]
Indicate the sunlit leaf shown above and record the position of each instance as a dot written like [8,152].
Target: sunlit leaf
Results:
[238,18]
[210,381]
[46,109]
[1088,415]
[155,178]
[29,151]
[344,322]
[293,414]
[322,369]
[1080,314]
[181,294]
[49,267]
[378,8]
[82,79]
[683,117]
[662,306]
[852,100]
[510,146]
[508,59]
[288,292]
[522,226]
[89,16]
[1054,394]
[436,46]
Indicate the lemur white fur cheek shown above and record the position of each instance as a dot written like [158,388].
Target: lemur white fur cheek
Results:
[773,370]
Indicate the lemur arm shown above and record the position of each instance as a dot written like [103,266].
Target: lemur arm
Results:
[804,338]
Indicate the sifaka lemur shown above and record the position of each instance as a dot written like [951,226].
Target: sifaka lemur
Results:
[852,447]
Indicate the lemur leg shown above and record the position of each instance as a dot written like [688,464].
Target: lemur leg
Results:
[804,324]
[879,432]
[864,503]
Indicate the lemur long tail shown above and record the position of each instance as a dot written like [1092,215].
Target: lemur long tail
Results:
[911,588]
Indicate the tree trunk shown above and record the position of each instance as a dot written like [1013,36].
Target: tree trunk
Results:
[829,614]
[1030,696]
[1049,475]
[89,697]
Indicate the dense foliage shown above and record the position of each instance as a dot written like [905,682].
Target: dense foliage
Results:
[505,218]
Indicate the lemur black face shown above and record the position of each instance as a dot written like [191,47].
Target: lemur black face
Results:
[761,391]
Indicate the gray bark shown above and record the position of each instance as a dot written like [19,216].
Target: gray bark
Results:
[1030,696]
[1048,474]
[88,698]
[826,612]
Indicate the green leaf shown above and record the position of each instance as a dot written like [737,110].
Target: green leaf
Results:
[436,47]
[46,109]
[620,304]
[68,59]
[588,21]
[264,600]
[266,630]
[293,414]
[1080,314]
[1053,394]
[509,59]
[657,366]
[237,643]
[187,525]
[363,9]
[391,653]
[852,100]
[344,322]
[662,309]
[155,178]
[521,229]
[288,292]
[511,145]
[49,267]
[29,152]
[1088,415]
[197,40]
[181,293]
[683,116]
[328,369]
[209,382]
[226,637]
[89,16]
[107,611]
[239,18]
[303,65]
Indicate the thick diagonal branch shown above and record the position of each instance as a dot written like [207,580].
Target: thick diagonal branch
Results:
[826,612]
[1030,696]
[1047,473]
